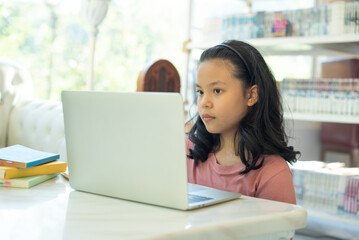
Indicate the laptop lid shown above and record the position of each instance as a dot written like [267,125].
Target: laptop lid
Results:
[129,145]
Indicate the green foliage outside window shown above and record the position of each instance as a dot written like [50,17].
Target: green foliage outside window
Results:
[52,41]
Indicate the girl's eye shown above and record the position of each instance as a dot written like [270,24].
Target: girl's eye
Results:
[199,92]
[217,91]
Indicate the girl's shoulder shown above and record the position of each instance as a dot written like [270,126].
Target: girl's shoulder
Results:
[273,166]
[274,162]
[188,142]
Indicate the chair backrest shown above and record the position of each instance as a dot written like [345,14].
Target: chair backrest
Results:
[160,76]
[338,134]
[39,124]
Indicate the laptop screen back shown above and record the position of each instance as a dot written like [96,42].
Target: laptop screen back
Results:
[127,145]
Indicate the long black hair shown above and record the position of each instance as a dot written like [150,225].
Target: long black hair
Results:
[261,131]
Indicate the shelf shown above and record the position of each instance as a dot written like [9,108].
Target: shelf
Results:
[325,225]
[345,218]
[321,117]
[317,45]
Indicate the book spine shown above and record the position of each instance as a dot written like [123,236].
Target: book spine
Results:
[341,193]
[337,18]
[331,95]
[44,160]
[42,178]
[26,182]
[12,164]
[55,167]
[330,192]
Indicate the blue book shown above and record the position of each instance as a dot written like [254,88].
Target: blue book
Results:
[23,157]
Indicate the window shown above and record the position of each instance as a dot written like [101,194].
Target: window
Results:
[51,39]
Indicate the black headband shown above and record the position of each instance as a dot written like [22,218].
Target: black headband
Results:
[243,60]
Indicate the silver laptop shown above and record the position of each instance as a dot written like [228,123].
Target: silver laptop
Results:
[131,145]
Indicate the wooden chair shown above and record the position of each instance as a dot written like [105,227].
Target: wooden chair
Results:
[160,76]
[344,138]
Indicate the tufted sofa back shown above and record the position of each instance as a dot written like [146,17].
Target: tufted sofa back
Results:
[38,124]
[35,123]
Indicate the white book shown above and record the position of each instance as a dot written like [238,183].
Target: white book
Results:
[337,18]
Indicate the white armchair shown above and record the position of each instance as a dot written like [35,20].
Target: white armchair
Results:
[35,123]
[15,86]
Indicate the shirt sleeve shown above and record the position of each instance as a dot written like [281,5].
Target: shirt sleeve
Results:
[278,188]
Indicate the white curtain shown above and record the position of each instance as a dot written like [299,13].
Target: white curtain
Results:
[94,11]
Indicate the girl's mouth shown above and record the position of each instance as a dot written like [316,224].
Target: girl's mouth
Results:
[206,117]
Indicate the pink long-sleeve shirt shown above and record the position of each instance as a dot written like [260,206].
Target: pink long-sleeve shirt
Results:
[273,181]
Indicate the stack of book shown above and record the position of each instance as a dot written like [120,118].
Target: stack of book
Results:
[323,186]
[323,95]
[24,167]
[336,19]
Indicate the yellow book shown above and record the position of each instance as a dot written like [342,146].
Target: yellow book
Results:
[46,168]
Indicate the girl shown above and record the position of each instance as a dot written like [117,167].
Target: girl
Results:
[238,142]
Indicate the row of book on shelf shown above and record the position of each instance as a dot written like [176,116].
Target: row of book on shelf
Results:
[24,167]
[331,95]
[334,189]
[335,18]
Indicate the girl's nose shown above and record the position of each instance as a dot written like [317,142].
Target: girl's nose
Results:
[205,102]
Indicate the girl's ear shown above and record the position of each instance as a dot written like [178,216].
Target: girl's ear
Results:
[252,95]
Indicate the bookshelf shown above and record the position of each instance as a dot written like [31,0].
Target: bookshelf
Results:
[304,126]
[332,45]
[321,117]
[330,225]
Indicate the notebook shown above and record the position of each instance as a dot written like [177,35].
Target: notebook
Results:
[131,145]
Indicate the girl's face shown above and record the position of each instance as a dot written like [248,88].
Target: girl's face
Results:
[222,100]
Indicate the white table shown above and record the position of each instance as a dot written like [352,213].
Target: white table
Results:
[53,210]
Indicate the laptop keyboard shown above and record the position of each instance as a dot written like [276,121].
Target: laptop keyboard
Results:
[192,198]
